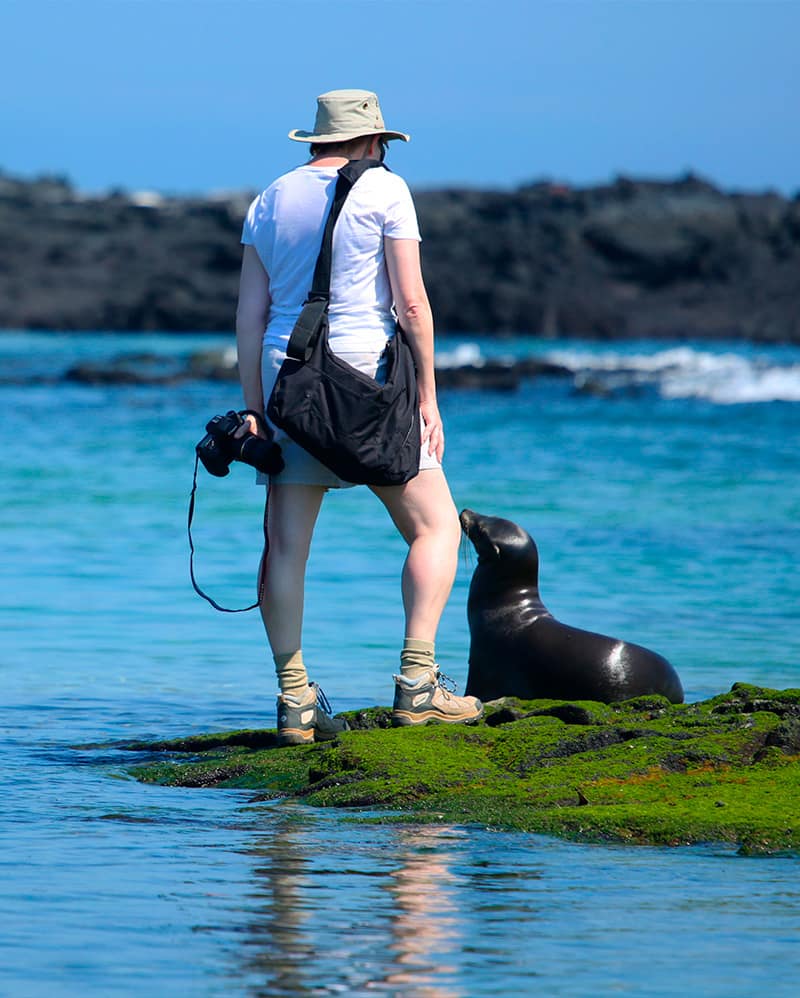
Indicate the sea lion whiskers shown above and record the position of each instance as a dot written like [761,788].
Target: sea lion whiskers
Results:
[472,527]
[516,555]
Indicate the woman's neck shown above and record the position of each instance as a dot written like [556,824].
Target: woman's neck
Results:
[334,161]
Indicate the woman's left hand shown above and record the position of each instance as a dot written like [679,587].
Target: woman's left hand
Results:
[432,429]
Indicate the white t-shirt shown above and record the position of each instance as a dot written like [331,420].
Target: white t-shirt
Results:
[285,225]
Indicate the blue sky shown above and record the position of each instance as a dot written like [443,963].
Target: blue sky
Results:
[195,96]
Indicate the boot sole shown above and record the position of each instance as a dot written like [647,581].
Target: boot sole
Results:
[327,736]
[406,718]
[295,736]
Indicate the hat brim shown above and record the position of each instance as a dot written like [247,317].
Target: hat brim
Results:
[299,135]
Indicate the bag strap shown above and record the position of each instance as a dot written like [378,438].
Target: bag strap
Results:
[308,323]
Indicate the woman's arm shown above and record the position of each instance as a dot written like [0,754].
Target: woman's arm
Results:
[416,318]
[252,313]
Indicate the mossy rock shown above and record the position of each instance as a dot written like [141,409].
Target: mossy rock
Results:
[640,771]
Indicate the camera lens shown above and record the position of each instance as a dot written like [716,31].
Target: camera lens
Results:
[261,454]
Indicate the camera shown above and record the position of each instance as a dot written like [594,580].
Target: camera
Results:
[219,447]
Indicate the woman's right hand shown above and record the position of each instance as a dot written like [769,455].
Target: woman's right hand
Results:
[432,429]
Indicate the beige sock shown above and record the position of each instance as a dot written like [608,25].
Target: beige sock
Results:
[416,657]
[292,676]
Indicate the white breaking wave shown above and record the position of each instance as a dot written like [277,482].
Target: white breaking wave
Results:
[464,355]
[727,378]
[684,372]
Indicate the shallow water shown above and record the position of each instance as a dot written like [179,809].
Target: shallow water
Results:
[110,887]
[671,521]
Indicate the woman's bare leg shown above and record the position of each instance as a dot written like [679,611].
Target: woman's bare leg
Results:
[424,513]
[293,511]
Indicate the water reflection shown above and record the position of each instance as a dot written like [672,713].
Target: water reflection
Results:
[338,907]
[425,928]
[388,923]
[279,947]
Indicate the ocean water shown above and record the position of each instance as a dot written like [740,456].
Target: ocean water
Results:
[662,485]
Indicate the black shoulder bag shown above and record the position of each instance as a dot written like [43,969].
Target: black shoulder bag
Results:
[366,432]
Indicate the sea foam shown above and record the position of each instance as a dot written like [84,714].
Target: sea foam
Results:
[686,372]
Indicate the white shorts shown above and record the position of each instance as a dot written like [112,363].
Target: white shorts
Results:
[301,468]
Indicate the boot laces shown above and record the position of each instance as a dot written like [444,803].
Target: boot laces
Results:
[322,701]
[446,684]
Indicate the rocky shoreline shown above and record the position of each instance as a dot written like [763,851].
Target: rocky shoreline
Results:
[220,365]
[633,258]
[643,771]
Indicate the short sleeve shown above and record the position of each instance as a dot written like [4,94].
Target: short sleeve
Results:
[248,238]
[400,221]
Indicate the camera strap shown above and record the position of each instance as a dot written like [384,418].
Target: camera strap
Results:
[262,566]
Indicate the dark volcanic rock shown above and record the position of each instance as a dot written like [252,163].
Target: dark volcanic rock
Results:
[221,365]
[632,258]
[494,376]
[128,369]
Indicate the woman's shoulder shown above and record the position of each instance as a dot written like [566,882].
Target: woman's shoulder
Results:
[388,179]
[297,183]
[383,184]
[297,176]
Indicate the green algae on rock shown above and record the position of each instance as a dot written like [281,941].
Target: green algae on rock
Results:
[640,771]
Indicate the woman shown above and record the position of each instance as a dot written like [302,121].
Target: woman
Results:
[376,267]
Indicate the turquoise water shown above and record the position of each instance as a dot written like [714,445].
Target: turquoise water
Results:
[661,485]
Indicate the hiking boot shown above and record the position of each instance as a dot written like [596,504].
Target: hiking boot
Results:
[306,719]
[430,698]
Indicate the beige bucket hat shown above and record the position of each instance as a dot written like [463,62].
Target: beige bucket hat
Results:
[346,114]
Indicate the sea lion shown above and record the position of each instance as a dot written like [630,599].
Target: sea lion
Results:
[519,649]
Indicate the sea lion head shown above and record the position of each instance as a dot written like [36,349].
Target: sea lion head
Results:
[502,542]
